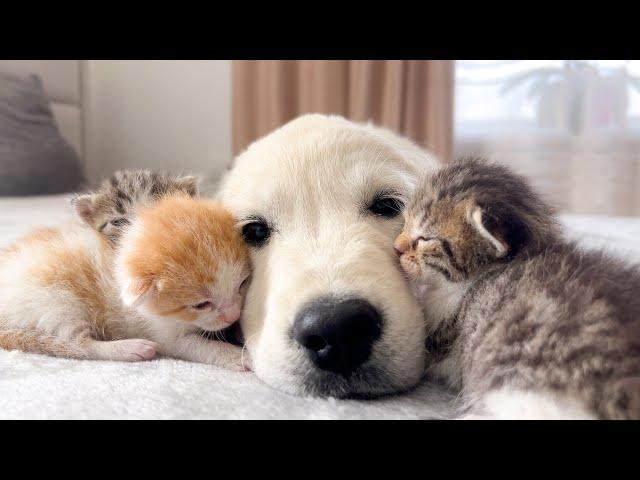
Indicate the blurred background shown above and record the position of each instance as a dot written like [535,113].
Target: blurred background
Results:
[572,127]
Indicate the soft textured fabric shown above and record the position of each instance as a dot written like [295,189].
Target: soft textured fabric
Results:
[34,158]
[411,97]
[35,386]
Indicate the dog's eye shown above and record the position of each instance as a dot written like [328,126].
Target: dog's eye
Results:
[119,222]
[256,233]
[386,207]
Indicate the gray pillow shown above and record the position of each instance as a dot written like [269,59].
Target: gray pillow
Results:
[34,158]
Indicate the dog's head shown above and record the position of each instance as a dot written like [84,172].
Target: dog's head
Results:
[328,311]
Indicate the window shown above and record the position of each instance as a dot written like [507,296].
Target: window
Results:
[572,126]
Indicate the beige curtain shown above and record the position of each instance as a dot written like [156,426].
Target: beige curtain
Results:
[414,98]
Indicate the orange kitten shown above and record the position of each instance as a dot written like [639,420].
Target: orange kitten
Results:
[184,260]
[181,264]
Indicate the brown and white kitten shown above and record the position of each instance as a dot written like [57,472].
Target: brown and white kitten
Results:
[180,271]
[110,208]
[526,324]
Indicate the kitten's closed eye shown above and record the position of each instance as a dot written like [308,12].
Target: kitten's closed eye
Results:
[244,283]
[437,254]
[432,247]
[119,222]
[428,243]
[206,305]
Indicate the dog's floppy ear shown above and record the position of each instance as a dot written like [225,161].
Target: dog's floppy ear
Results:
[84,206]
[136,291]
[500,227]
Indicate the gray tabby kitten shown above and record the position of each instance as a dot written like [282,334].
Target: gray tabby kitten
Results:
[109,208]
[526,324]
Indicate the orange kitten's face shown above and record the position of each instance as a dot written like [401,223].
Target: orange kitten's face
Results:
[210,303]
[183,259]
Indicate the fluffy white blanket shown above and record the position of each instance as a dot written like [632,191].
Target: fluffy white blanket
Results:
[34,386]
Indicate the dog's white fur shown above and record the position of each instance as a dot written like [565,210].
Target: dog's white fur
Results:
[312,180]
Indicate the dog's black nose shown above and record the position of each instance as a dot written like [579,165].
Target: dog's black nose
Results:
[337,335]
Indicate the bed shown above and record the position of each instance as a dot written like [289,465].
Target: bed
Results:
[40,387]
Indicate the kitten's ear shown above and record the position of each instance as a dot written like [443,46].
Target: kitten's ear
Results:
[85,207]
[137,291]
[189,185]
[490,228]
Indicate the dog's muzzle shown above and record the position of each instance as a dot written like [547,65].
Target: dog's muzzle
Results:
[337,335]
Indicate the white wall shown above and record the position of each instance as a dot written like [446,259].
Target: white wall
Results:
[159,114]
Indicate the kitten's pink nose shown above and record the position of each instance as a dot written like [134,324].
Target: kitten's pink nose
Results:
[402,244]
[230,313]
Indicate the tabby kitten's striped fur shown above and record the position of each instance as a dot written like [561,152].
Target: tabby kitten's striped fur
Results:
[528,325]
[110,208]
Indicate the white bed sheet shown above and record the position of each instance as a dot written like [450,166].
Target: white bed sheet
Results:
[34,386]
[18,215]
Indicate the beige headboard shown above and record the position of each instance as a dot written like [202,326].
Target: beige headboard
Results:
[63,84]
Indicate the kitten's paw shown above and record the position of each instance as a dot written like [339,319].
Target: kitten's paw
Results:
[129,350]
[235,359]
[137,349]
[247,363]
[244,364]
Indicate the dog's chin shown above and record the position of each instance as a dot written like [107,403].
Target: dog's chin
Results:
[375,378]
[367,382]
